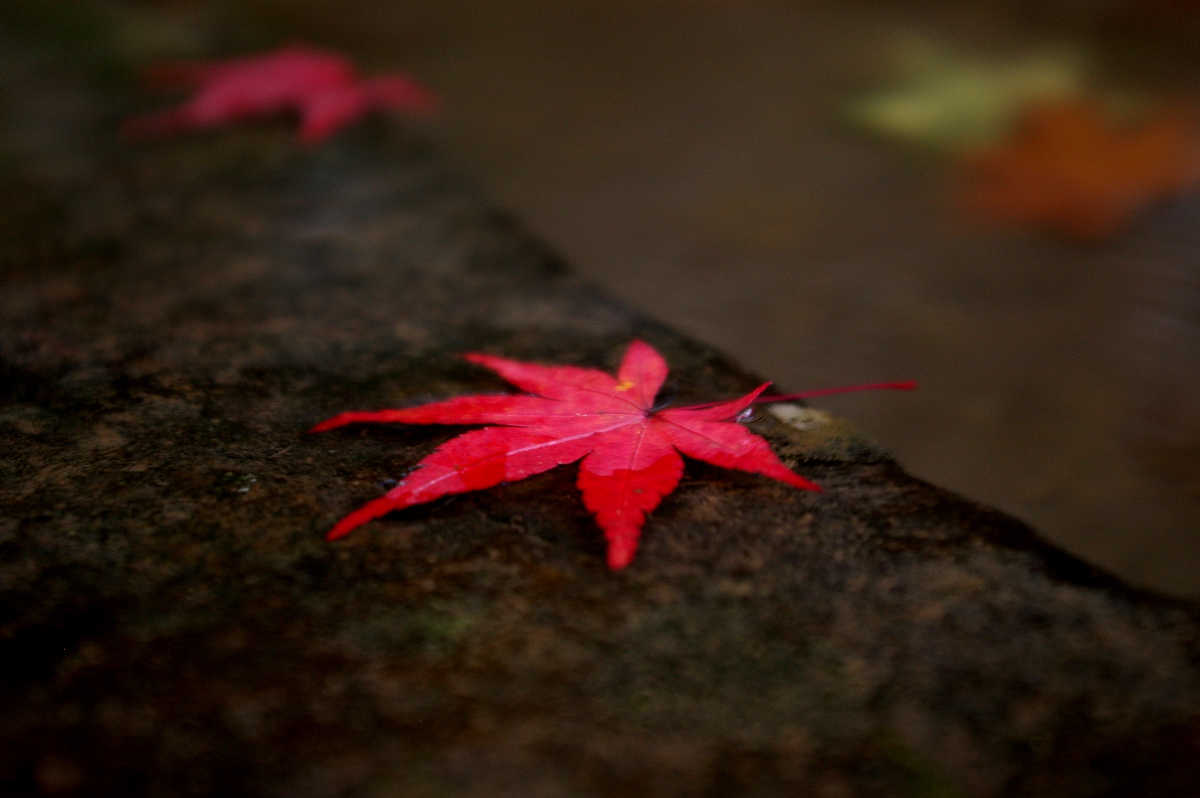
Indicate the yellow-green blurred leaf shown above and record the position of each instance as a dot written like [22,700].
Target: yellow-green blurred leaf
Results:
[948,101]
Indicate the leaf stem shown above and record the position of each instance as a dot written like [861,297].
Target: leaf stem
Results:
[904,385]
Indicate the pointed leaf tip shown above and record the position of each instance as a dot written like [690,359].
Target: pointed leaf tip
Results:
[620,554]
[368,512]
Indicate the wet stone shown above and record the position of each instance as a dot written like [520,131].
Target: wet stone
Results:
[177,314]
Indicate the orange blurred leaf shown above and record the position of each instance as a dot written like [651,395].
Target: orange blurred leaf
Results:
[1070,169]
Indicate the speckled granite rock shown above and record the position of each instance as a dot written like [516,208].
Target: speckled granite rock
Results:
[175,315]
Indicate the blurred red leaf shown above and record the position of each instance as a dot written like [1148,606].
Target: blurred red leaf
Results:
[322,88]
[1069,169]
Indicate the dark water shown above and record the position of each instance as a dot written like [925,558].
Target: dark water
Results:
[690,157]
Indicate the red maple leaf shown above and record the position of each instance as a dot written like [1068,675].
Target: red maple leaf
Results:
[321,88]
[630,449]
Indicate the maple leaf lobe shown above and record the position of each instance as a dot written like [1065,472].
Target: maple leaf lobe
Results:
[629,453]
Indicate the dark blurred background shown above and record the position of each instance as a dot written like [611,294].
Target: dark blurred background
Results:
[697,159]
